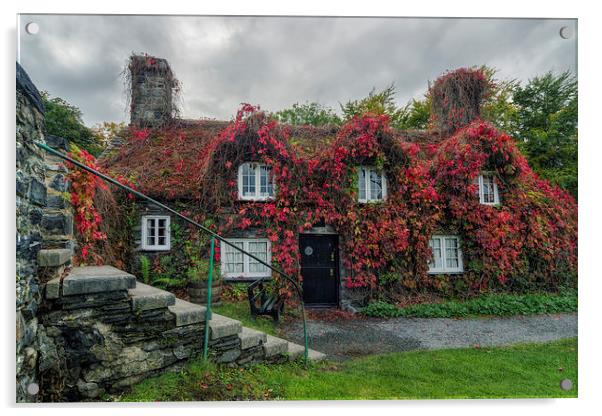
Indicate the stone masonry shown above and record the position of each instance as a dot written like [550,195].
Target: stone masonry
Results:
[30,201]
[153,87]
[111,331]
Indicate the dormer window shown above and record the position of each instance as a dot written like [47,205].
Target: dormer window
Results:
[255,182]
[488,192]
[372,185]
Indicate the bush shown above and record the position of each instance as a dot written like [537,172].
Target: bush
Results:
[494,304]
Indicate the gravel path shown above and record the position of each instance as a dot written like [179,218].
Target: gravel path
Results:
[345,339]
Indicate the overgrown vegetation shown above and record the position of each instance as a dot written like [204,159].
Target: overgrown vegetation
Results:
[536,370]
[65,120]
[503,304]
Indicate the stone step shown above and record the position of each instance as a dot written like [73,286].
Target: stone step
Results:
[95,279]
[251,338]
[54,257]
[295,351]
[145,297]
[187,313]
[221,326]
[275,346]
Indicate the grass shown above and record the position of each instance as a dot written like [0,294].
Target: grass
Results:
[493,304]
[521,371]
[240,311]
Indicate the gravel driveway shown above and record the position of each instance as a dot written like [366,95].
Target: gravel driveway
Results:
[347,338]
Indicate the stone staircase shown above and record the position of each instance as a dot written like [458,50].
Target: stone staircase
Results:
[129,330]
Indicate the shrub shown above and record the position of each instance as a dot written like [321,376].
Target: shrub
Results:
[492,304]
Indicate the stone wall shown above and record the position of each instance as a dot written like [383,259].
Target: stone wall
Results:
[31,199]
[106,332]
[153,87]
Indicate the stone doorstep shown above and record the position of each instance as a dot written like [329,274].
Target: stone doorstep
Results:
[145,297]
[220,327]
[250,338]
[275,346]
[54,257]
[187,313]
[96,279]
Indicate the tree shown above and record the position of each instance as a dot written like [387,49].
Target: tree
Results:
[313,114]
[65,120]
[381,102]
[546,127]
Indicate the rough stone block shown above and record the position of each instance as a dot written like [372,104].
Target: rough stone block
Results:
[275,346]
[53,288]
[187,313]
[37,192]
[94,279]
[220,326]
[58,223]
[145,297]
[54,257]
[251,338]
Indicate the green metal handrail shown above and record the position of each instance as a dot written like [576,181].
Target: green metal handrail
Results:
[213,234]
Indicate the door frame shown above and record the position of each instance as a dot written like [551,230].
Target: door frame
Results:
[325,232]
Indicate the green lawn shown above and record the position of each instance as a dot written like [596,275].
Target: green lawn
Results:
[522,371]
[240,311]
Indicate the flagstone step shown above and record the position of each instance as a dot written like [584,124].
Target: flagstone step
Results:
[251,338]
[145,297]
[96,279]
[275,346]
[221,326]
[295,351]
[187,313]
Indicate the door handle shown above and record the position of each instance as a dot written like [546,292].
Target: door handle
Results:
[331,272]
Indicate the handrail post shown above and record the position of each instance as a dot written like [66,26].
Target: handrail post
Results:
[208,308]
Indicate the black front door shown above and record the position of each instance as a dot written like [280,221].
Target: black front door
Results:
[319,269]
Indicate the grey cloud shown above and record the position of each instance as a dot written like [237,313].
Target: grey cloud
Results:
[275,62]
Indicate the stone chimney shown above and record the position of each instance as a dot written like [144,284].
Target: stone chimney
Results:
[457,98]
[153,88]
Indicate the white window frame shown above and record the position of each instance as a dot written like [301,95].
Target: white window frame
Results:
[496,194]
[257,195]
[246,274]
[444,269]
[367,184]
[156,247]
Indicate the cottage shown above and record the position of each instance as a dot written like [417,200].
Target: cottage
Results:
[354,212]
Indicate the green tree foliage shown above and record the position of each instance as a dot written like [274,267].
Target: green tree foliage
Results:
[546,127]
[312,114]
[377,102]
[65,120]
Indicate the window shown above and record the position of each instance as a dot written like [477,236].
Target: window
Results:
[488,193]
[155,232]
[255,182]
[372,185]
[447,255]
[237,265]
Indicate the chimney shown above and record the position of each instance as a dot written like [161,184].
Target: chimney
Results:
[457,97]
[153,88]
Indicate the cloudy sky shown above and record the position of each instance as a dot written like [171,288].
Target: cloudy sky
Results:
[276,62]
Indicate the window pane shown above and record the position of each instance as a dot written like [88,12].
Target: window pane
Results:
[260,250]
[362,184]
[248,180]
[266,187]
[234,258]
[488,189]
[452,257]
[376,189]
[437,260]
[150,231]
